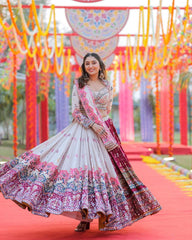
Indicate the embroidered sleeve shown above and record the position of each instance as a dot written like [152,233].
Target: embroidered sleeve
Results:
[76,110]
[109,105]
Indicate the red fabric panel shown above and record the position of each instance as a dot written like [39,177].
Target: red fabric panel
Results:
[183,115]
[44,120]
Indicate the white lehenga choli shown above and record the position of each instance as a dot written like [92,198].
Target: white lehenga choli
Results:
[72,174]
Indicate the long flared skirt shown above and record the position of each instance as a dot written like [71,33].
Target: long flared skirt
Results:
[72,174]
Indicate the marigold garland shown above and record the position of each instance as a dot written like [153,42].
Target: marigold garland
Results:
[37,21]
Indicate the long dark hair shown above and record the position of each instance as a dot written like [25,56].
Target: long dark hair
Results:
[84,78]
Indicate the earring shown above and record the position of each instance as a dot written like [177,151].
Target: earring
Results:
[86,76]
[101,75]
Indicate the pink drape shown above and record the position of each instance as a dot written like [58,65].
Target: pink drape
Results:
[126,112]
[183,115]
[31,103]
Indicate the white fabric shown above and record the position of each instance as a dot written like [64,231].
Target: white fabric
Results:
[76,147]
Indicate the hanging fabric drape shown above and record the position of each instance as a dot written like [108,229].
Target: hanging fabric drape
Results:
[65,105]
[164,99]
[31,103]
[15,143]
[122,115]
[183,115]
[171,110]
[146,113]
[157,114]
[44,119]
[38,129]
[126,112]
[62,104]
[44,114]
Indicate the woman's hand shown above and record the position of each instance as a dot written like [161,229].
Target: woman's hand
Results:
[99,130]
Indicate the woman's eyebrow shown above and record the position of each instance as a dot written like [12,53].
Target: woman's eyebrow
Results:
[90,61]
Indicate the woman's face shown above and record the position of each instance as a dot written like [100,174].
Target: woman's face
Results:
[92,66]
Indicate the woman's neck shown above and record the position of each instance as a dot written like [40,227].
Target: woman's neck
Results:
[93,78]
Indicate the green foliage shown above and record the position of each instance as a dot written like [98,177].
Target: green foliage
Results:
[6,103]
[6,107]
[184,79]
[152,100]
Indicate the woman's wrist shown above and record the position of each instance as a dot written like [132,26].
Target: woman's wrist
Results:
[92,124]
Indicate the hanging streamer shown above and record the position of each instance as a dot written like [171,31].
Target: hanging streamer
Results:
[146,115]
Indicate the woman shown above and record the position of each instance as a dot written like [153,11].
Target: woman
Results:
[82,172]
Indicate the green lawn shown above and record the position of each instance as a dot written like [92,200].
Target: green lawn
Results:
[6,150]
[184,161]
[176,137]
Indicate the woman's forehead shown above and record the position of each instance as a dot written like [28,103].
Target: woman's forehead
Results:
[90,59]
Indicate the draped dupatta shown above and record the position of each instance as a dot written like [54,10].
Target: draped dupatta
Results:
[92,112]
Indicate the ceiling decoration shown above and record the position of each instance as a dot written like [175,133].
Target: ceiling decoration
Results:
[99,24]
[103,48]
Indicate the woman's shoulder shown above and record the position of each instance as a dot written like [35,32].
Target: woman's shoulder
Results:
[107,83]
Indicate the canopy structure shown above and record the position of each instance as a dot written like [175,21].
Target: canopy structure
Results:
[149,58]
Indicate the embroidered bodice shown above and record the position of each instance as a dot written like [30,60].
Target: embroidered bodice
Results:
[103,101]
